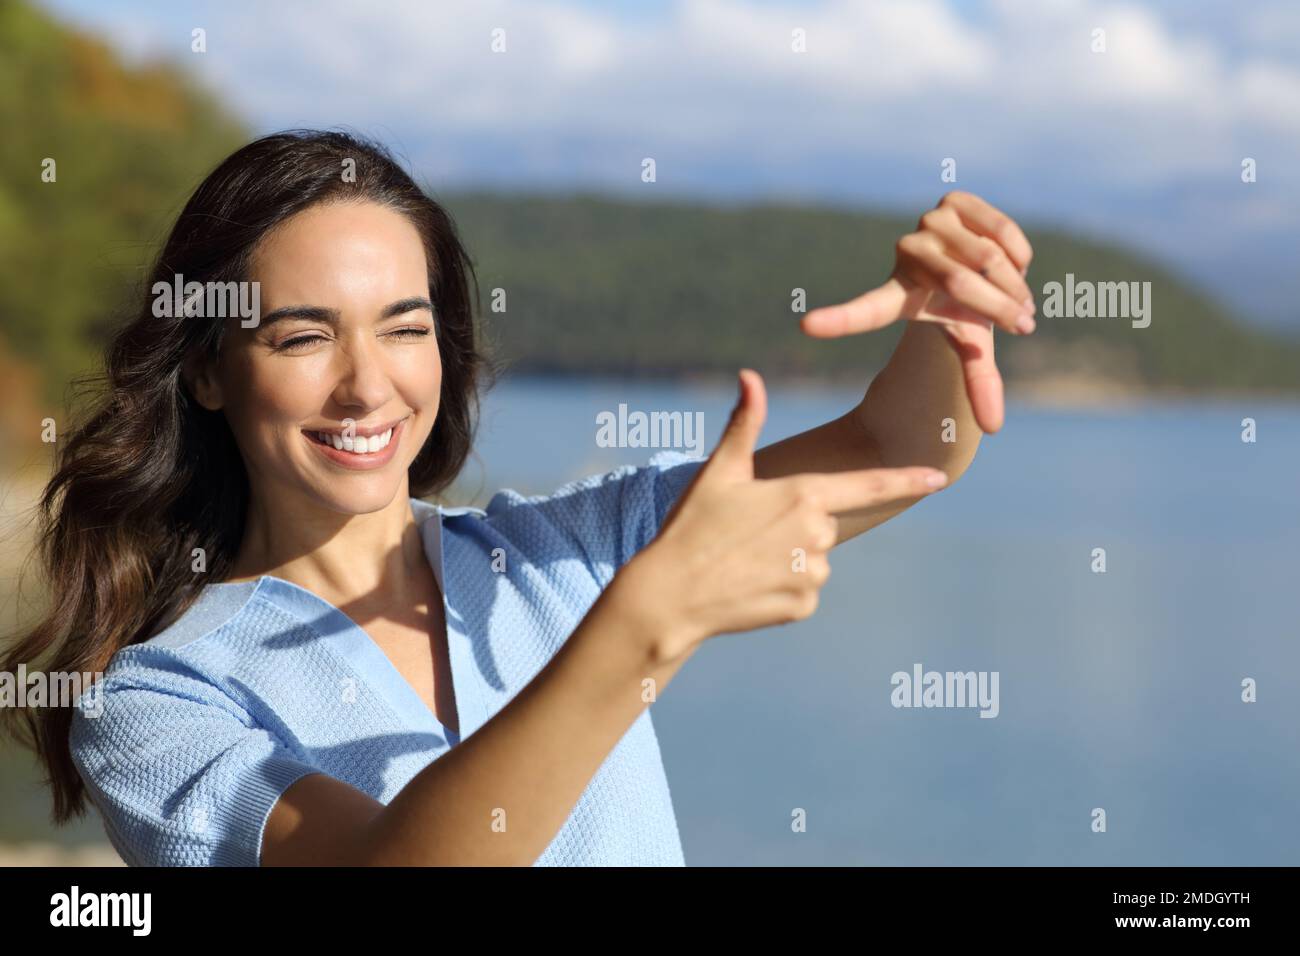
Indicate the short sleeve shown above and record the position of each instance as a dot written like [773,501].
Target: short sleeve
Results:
[176,769]
[604,519]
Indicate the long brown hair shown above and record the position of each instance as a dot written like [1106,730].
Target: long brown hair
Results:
[149,475]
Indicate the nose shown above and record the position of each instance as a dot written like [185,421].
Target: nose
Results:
[363,381]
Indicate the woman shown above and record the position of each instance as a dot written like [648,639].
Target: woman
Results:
[306,663]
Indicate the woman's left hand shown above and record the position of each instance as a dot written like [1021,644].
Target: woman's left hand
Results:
[963,268]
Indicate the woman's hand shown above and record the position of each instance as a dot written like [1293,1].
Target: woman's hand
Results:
[964,268]
[737,553]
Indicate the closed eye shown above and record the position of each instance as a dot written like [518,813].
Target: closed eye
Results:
[292,344]
[418,333]
[302,340]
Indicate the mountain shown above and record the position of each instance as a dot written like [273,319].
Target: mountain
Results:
[595,283]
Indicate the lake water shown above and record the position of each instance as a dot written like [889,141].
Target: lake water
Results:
[1118,690]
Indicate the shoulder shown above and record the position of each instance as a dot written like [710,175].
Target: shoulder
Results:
[217,606]
[603,519]
[143,681]
[662,469]
[190,659]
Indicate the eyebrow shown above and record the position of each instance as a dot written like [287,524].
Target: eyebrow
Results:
[318,313]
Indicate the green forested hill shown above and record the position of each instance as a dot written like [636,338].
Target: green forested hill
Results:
[648,289]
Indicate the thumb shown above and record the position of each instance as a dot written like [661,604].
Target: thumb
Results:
[734,456]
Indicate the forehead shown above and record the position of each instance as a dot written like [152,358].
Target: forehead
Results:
[341,250]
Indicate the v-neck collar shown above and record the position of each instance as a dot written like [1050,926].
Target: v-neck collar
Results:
[352,642]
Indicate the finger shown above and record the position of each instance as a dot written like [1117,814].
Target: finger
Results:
[851,490]
[981,253]
[925,259]
[972,338]
[984,385]
[985,391]
[986,219]
[733,457]
[869,311]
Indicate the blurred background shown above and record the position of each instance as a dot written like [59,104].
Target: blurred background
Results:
[792,144]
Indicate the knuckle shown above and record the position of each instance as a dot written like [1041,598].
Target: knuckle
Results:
[989,253]
[806,497]
[810,504]
[1005,230]
[957,283]
[916,244]
[933,218]
[874,485]
[806,605]
[820,571]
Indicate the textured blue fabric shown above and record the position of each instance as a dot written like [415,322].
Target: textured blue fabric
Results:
[204,725]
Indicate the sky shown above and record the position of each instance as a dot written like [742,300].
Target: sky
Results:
[1140,144]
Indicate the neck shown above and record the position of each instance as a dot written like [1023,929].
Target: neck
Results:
[346,557]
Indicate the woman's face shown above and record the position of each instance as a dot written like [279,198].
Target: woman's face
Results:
[345,346]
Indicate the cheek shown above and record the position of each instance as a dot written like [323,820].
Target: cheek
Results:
[420,385]
[266,400]
[289,385]
[419,377]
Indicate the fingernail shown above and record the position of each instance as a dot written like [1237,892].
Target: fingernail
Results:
[1026,323]
[936,479]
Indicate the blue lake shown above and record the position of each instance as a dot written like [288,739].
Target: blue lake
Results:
[1119,690]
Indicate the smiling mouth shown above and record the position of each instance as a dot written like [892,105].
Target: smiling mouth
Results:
[359,445]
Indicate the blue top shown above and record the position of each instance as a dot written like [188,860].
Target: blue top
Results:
[190,737]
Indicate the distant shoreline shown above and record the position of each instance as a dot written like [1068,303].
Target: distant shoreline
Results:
[1058,391]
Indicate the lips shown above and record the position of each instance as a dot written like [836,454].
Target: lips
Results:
[333,446]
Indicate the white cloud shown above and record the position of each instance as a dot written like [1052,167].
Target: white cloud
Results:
[1007,66]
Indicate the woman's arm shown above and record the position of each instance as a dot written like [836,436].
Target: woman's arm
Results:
[526,767]
[961,273]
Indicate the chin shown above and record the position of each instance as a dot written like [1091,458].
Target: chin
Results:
[357,497]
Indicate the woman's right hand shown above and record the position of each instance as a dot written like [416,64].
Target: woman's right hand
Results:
[737,552]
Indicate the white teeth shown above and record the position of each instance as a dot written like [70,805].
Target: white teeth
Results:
[360,445]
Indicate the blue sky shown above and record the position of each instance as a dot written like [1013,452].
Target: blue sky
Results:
[1141,144]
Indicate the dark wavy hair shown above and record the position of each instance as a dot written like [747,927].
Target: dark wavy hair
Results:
[150,475]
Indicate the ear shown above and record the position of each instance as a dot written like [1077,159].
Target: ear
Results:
[200,375]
